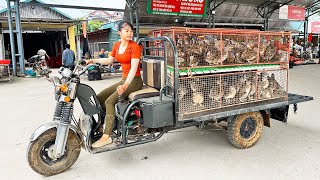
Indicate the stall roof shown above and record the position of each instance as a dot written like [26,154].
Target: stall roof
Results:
[53,13]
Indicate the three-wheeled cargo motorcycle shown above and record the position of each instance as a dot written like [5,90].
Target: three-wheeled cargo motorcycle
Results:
[141,118]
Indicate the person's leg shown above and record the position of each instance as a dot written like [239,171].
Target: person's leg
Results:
[106,93]
[135,85]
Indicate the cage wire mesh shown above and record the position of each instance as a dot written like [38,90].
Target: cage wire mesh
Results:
[274,47]
[240,48]
[198,47]
[214,47]
[272,84]
[202,93]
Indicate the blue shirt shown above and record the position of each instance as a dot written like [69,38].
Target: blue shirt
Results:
[68,57]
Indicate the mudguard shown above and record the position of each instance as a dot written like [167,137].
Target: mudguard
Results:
[49,125]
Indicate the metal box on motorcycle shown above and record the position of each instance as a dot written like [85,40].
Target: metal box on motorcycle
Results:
[157,113]
[153,73]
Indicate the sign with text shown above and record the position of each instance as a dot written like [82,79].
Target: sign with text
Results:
[315,27]
[292,12]
[195,8]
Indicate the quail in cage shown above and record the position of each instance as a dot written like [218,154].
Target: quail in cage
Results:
[283,55]
[182,91]
[275,86]
[239,50]
[231,57]
[252,90]
[263,84]
[213,56]
[249,55]
[263,81]
[244,91]
[215,94]
[266,93]
[229,93]
[251,44]
[263,46]
[196,86]
[269,53]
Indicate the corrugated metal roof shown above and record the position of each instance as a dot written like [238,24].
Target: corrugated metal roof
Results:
[230,12]
[29,12]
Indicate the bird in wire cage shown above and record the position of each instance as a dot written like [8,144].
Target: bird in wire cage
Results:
[196,86]
[263,83]
[280,56]
[269,53]
[250,55]
[275,86]
[252,92]
[244,91]
[182,91]
[215,94]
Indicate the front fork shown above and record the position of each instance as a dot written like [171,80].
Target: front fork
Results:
[63,114]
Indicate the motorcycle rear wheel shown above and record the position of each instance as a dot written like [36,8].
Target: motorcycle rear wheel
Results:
[40,152]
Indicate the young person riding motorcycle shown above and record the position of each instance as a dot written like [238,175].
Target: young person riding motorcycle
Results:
[127,53]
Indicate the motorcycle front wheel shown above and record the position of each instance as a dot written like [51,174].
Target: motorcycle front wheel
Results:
[40,153]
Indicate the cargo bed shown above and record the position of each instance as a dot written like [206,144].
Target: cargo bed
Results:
[274,104]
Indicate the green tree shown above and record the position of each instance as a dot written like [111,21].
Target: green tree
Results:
[91,26]
[94,25]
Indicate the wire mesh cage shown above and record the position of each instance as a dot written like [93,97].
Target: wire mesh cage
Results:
[195,46]
[224,47]
[274,47]
[240,48]
[238,88]
[272,84]
[197,94]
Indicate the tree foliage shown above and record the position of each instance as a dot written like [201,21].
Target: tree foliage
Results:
[94,25]
[91,26]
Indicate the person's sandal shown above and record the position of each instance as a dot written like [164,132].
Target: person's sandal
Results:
[101,143]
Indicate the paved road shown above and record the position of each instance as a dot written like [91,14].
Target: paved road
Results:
[284,151]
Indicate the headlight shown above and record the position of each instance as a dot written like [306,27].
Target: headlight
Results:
[65,72]
[64,88]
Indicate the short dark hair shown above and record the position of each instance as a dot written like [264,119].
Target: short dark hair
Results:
[122,24]
[67,45]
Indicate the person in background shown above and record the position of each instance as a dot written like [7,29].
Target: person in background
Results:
[43,54]
[102,54]
[68,58]
[128,54]
[86,56]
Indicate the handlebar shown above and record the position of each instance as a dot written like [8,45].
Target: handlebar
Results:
[84,68]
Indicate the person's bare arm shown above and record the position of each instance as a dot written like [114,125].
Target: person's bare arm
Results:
[102,61]
[131,75]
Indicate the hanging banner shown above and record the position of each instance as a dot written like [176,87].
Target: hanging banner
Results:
[315,27]
[296,12]
[72,40]
[84,29]
[292,12]
[195,8]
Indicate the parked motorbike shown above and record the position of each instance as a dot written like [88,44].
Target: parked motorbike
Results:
[55,146]
[39,65]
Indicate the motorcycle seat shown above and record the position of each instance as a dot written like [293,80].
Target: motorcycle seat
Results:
[145,92]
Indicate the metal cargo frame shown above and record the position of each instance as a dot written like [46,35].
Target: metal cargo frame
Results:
[260,42]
